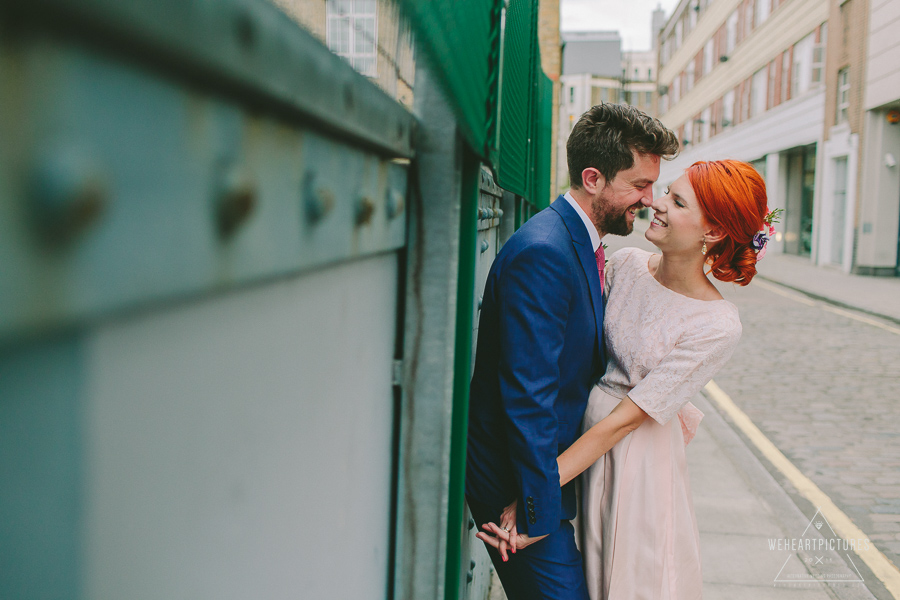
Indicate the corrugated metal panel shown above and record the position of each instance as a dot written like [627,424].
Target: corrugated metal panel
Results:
[516,96]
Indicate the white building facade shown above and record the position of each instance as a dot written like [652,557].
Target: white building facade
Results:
[879,203]
[744,79]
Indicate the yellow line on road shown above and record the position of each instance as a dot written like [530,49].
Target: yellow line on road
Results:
[777,289]
[850,315]
[877,562]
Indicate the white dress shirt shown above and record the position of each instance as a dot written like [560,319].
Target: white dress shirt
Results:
[592,231]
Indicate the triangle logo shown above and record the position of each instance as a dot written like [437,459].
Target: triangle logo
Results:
[810,557]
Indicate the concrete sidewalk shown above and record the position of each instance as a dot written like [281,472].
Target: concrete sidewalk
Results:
[879,296]
[740,508]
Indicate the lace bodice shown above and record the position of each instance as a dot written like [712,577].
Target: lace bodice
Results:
[663,347]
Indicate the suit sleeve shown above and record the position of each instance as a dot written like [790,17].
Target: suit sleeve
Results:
[535,295]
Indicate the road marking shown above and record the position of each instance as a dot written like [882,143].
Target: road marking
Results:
[783,292]
[777,289]
[850,315]
[878,563]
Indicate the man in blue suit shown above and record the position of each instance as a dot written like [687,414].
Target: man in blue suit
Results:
[540,346]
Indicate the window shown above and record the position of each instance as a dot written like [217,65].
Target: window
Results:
[762,11]
[818,63]
[731,32]
[351,33]
[843,95]
[801,71]
[572,95]
[745,100]
[786,76]
[708,57]
[772,98]
[758,103]
[689,74]
[748,18]
[705,125]
[728,109]
[648,98]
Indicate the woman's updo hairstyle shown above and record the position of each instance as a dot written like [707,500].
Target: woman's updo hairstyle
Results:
[732,196]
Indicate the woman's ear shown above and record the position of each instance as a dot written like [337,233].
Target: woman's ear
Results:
[714,234]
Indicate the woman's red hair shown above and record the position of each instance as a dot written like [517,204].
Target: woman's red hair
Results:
[732,196]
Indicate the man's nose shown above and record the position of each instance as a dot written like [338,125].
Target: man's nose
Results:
[647,198]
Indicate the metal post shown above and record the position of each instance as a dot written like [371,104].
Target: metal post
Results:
[429,346]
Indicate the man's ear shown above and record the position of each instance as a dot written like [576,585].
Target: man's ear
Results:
[592,181]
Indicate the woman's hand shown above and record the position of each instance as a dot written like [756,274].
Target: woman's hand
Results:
[497,536]
[506,537]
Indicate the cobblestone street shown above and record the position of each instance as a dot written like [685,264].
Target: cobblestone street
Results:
[824,388]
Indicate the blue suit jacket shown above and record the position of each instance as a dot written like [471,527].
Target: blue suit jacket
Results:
[539,351]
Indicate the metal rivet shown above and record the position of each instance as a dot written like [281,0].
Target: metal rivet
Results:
[395,204]
[318,201]
[471,524]
[365,208]
[470,577]
[484,246]
[499,212]
[69,193]
[472,564]
[245,30]
[236,201]
[480,300]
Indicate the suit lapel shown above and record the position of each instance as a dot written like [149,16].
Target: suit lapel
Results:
[582,243]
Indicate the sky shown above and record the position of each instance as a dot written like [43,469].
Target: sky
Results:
[631,18]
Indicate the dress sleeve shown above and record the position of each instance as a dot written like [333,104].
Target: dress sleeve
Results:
[680,375]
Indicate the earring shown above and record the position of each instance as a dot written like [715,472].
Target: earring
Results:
[703,249]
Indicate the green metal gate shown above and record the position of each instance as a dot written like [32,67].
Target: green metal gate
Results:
[238,294]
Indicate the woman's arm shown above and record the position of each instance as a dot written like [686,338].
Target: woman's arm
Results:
[594,443]
[597,441]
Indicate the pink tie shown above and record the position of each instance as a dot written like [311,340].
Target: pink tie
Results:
[601,263]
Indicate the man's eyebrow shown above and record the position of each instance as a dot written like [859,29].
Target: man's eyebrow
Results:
[641,182]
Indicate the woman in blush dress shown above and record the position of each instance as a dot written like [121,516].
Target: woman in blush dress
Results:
[667,332]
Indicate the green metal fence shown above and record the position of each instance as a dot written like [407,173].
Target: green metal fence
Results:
[206,158]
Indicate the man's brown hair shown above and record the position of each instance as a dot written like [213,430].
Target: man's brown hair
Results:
[605,136]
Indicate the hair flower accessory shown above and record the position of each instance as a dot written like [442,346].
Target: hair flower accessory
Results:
[763,235]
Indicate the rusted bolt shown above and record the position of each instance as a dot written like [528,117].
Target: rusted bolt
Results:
[237,198]
[484,246]
[245,29]
[69,193]
[318,201]
[395,204]
[365,208]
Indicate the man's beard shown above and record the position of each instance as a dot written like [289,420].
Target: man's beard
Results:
[608,221]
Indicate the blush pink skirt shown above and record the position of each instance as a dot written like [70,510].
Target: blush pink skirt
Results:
[639,535]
